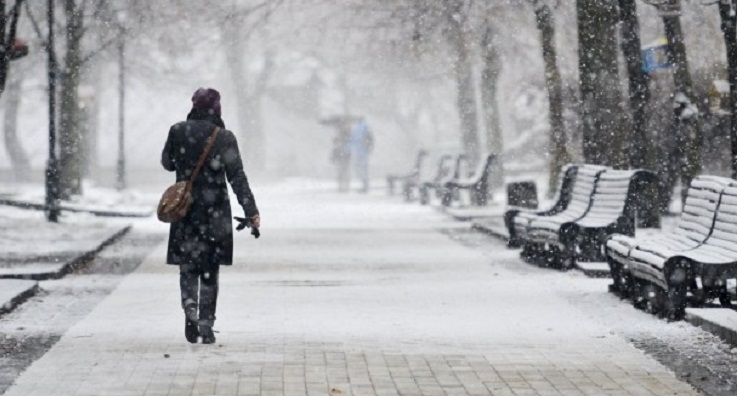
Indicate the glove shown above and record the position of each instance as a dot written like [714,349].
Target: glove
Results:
[247,223]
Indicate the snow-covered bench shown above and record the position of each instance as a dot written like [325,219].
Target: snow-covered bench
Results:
[412,176]
[415,184]
[693,228]
[581,234]
[699,256]
[477,184]
[454,172]
[565,187]
[578,204]
[613,211]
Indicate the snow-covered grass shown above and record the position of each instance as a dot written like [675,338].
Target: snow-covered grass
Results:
[25,234]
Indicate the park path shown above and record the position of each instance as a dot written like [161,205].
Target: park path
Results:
[351,295]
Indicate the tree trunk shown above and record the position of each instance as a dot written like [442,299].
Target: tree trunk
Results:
[559,155]
[465,87]
[729,28]
[248,102]
[489,80]
[686,118]
[8,30]
[641,155]
[4,58]
[603,137]
[18,157]
[71,150]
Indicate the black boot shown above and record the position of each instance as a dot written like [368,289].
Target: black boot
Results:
[190,326]
[208,337]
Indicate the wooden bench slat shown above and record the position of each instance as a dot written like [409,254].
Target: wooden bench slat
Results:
[706,234]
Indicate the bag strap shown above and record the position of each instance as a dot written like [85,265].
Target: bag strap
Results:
[203,156]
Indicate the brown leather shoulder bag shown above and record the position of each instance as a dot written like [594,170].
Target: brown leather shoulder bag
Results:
[177,199]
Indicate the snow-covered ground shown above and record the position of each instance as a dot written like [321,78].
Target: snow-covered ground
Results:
[353,294]
[26,235]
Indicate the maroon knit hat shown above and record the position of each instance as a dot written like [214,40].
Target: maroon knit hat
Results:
[207,99]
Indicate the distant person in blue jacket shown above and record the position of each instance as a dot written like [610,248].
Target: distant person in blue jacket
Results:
[361,143]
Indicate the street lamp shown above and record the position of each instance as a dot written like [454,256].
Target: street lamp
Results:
[121,183]
[52,171]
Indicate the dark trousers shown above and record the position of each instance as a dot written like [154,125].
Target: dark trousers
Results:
[199,288]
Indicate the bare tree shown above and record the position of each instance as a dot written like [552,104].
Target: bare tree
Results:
[237,31]
[491,69]
[559,155]
[16,153]
[454,24]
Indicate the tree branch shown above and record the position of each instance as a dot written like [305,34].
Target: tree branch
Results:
[99,50]
[13,24]
[34,25]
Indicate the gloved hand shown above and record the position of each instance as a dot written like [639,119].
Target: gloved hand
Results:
[253,223]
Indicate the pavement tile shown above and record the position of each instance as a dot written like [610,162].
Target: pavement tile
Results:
[372,301]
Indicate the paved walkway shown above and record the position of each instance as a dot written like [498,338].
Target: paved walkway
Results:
[351,295]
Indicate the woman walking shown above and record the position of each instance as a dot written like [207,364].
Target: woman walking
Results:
[203,240]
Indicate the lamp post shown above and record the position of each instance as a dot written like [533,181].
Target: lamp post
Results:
[52,171]
[121,183]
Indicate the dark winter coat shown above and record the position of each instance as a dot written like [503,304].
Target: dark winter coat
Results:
[205,235]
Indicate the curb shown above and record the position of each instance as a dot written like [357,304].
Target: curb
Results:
[19,299]
[594,269]
[490,231]
[95,212]
[72,264]
[460,217]
[727,333]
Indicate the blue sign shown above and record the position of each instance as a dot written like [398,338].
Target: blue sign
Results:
[655,57]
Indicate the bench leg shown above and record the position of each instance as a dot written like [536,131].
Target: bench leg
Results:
[639,299]
[725,299]
[407,191]
[590,242]
[620,284]
[448,195]
[649,297]
[531,252]
[678,276]
[479,196]
[566,257]
[513,241]
[390,186]
[553,257]
[570,238]
[718,291]
[676,302]
[526,253]
[424,195]
[654,299]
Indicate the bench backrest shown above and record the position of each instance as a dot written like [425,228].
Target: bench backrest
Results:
[612,193]
[565,189]
[583,189]
[724,231]
[421,155]
[699,212]
[483,170]
[455,170]
[445,167]
[616,197]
